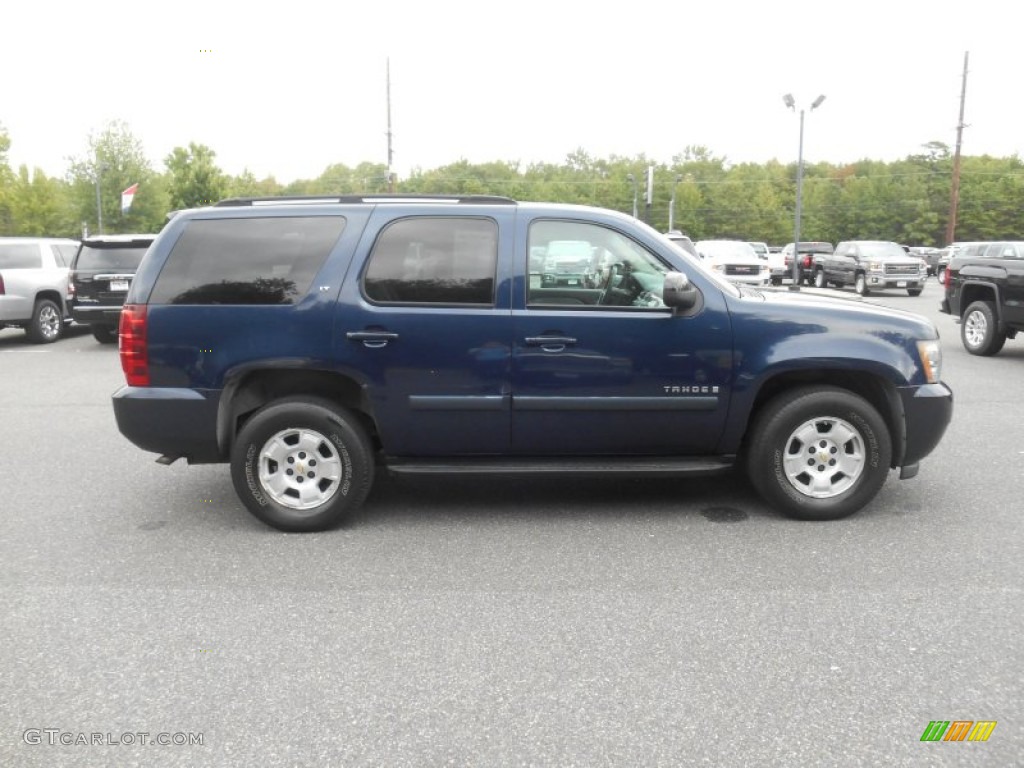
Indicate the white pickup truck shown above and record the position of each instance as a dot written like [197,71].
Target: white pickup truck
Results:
[34,285]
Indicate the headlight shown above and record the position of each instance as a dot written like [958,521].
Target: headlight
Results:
[874,266]
[930,353]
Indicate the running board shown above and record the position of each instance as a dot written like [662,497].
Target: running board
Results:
[556,465]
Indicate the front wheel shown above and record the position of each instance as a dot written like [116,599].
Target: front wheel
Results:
[818,453]
[47,323]
[860,285]
[302,464]
[979,329]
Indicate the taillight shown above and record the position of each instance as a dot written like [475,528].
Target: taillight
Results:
[807,261]
[71,286]
[1,285]
[132,345]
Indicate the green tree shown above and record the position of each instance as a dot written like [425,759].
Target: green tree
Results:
[6,185]
[114,161]
[193,178]
[39,206]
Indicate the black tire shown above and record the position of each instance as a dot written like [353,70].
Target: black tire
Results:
[104,334]
[307,429]
[860,284]
[819,278]
[941,276]
[847,434]
[914,291]
[776,281]
[47,323]
[979,329]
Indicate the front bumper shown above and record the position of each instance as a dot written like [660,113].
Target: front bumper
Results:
[170,421]
[882,281]
[927,411]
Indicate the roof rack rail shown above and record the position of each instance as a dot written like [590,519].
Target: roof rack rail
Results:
[375,198]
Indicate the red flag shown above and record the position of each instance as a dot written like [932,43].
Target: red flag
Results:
[127,196]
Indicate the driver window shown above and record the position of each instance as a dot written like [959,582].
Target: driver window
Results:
[576,265]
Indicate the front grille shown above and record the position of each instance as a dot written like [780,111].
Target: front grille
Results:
[902,269]
[742,269]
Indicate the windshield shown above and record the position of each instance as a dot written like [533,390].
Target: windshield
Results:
[125,258]
[882,251]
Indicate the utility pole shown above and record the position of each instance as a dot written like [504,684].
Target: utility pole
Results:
[391,175]
[954,195]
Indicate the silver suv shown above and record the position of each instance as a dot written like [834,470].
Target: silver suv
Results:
[34,285]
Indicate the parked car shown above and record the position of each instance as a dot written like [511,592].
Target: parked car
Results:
[761,249]
[734,260]
[312,345]
[101,273]
[808,252]
[930,256]
[985,292]
[34,285]
[682,240]
[870,265]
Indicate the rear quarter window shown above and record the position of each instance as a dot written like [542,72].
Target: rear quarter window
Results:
[271,260]
[20,256]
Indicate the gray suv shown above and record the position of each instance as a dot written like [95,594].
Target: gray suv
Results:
[34,285]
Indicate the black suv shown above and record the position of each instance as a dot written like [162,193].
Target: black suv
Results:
[313,343]
[101,273]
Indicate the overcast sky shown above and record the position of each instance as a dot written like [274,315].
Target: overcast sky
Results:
[287,88]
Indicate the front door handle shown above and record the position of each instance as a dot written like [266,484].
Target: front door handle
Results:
[550,343]
[372,339]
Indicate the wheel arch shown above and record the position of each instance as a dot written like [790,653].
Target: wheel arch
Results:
[879,392]
[974,290]
[247,392]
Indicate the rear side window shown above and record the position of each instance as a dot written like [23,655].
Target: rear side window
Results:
[434,260]
[246,261]
[65,254]
[123,258]
[20,256]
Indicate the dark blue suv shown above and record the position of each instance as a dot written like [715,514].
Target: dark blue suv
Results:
[312,342]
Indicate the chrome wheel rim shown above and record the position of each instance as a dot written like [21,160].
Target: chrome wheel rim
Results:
[49,322]
[975,328]
[824,457]
[300,469]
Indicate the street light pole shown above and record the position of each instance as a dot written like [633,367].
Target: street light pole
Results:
[672,204]
[632,180]
[100,168]
[791,103]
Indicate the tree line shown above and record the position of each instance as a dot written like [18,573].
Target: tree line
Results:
[906,201]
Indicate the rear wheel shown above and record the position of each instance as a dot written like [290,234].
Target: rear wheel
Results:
[302,464]
[979,329]
[819,278]
[47,323]
[819,453]
[104,334]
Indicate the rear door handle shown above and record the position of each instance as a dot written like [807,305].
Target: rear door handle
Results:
[372,339]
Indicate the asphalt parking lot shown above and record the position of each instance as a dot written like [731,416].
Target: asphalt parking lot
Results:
[499,623]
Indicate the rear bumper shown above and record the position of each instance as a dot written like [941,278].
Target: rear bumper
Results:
[170,421]
[96,315]
[928,410]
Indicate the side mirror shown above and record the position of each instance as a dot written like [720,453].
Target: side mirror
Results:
[678,292]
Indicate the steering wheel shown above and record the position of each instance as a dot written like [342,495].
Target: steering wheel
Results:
[613,271]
